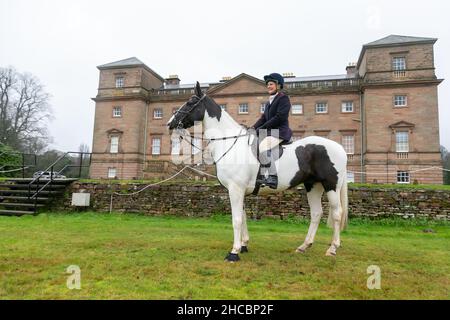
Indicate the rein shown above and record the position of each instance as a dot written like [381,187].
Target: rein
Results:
[216,139]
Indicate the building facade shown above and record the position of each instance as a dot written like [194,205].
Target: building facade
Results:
[383,110]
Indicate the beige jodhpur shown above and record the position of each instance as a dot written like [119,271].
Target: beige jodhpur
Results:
[268,143]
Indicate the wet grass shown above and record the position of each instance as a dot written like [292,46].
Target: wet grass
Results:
[141,257]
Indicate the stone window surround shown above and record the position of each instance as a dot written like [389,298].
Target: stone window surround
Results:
[402,126]
[110,170]
[298,113]
[117,76]
[399,55]
[114,133]
[402,143]
[398,95]
[155,112]
[399,73]
[239,108]
[321,102]
[153,138]
[348,134]
[117,114]
[403,175]
[347,101]
[113,148]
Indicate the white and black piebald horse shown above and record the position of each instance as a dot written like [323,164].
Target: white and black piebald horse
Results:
[319,163]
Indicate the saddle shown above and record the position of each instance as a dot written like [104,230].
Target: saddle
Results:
[280,147]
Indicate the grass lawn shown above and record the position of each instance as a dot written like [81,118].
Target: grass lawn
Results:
[141,257]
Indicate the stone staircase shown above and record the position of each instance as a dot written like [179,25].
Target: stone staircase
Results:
[18,195]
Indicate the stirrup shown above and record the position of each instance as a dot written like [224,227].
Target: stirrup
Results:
[271,181]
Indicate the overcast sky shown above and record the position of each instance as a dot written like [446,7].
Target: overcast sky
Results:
[62,42]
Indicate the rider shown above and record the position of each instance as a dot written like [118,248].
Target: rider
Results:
[275,116]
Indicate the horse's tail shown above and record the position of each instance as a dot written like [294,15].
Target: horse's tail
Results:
[344,202]
[343,192]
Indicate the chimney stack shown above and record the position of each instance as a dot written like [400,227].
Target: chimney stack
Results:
[288,75]
[173,80]
[351,69]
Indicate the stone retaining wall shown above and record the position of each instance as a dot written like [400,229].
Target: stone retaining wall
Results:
[206,199]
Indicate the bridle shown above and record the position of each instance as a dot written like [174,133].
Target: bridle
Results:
[180,122]
[180,126]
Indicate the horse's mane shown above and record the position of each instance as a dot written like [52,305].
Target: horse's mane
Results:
[216,108]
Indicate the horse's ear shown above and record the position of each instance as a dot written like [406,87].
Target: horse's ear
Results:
[198,90]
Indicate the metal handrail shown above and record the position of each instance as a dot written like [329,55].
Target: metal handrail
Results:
[52,173]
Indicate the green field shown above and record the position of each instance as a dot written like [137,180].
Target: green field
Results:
[140,257]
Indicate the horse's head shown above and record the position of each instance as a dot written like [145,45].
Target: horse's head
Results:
[192,111]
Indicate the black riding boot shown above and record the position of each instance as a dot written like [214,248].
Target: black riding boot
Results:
[266,167]
[272,181]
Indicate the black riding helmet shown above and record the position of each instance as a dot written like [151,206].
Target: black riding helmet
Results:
[275,77]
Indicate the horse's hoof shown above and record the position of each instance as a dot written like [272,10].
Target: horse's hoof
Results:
[330,254]
[232,257]
[302,248]
[244,249]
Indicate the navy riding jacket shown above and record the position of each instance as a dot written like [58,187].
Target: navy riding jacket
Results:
[276,117]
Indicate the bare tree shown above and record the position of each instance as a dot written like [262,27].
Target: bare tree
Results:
[83,160]
[83,148]
[24,111]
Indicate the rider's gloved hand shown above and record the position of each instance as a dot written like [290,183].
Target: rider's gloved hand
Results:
[250,130]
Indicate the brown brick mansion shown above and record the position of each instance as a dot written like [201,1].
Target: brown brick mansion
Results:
[383,110]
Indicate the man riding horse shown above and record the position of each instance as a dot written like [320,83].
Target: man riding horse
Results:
[273,126]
